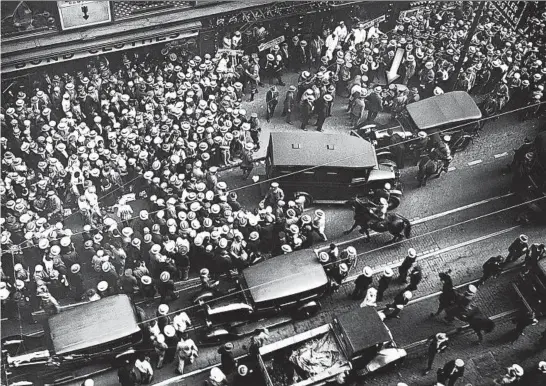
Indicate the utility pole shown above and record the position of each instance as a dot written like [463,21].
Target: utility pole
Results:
[469,36]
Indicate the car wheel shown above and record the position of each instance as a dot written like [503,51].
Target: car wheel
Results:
[307,310]
[394,202]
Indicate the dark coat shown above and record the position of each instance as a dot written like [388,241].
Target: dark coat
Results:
[374,102]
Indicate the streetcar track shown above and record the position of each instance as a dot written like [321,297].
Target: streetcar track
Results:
[376,269]
[418,220]
[412,345]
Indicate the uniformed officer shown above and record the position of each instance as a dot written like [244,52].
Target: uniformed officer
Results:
[271,100]
[408,262]
[274,195]
[289,103]
[384,282]
[438,343]
[518,248]
[362,282]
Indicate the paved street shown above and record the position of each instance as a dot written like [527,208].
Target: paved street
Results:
[101,99]
[475,219]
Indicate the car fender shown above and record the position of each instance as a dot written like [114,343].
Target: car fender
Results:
[384,357]
[241,307]
[307,310]
[203,297]
[217,333]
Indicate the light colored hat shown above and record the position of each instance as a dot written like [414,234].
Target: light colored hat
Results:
[163,309]
[412,253]
[165,277]
[146,280]
[459,363]
[75,268]
[388,272]
[407,295]
[367,271]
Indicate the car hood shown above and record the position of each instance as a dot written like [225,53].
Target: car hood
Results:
[382,173]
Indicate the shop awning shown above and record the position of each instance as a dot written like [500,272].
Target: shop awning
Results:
[71,50]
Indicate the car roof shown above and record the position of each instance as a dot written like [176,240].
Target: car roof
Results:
[314,149]
[362,328]
[284,276]
[451,107]
[92,324]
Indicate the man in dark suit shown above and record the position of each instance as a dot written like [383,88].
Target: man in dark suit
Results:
[451,372]
[289,103]
[374,103]
[322,110]
[306,111]
[272,99]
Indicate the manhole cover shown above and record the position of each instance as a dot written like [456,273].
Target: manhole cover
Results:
[486,365]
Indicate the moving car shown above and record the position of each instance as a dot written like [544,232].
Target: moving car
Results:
[89,333]
[454,113]
[354,343]
[267,294]
[328,168]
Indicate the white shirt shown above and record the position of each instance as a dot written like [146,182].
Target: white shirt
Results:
[331,42]
[341,31]
[374,32]
[181,322]
[360,35]
[144,366]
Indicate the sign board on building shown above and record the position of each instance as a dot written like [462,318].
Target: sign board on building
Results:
[105,49]
[510,11]
[371,23]
[231,52]
[411,12]
[271,43]
[78,14]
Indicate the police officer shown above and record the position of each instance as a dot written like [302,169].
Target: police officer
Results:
[274,195]
[272,99]
[491,268]
[255,129]
[322,109]
[362,282]
[518,248]
[289,103]
[408,262]
[438,343]
[384,282]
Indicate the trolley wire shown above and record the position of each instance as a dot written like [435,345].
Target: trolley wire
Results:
[317,166]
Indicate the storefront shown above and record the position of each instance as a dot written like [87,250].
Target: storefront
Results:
[159,28]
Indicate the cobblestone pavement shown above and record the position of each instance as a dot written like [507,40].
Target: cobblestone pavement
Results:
[464,186]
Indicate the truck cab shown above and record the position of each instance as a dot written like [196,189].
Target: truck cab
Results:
[355,343]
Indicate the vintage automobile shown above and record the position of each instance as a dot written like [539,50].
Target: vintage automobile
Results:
[267,294]
[90,333]
[454,113]
[530,286]
[529,173]
[355,343]
[328,168]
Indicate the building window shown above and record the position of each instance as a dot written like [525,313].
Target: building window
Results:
[23,17]
[129,9]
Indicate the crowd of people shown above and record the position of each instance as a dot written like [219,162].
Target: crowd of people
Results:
[501,62]
[87,144]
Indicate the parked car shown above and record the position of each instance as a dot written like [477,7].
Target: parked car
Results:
[454,113]
[355,343]
[267,294]
[98,331]
[328,168]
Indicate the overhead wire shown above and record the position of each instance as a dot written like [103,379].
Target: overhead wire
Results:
[327,163]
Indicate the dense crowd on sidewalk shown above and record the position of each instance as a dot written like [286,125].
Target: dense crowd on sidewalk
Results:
[157,128]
